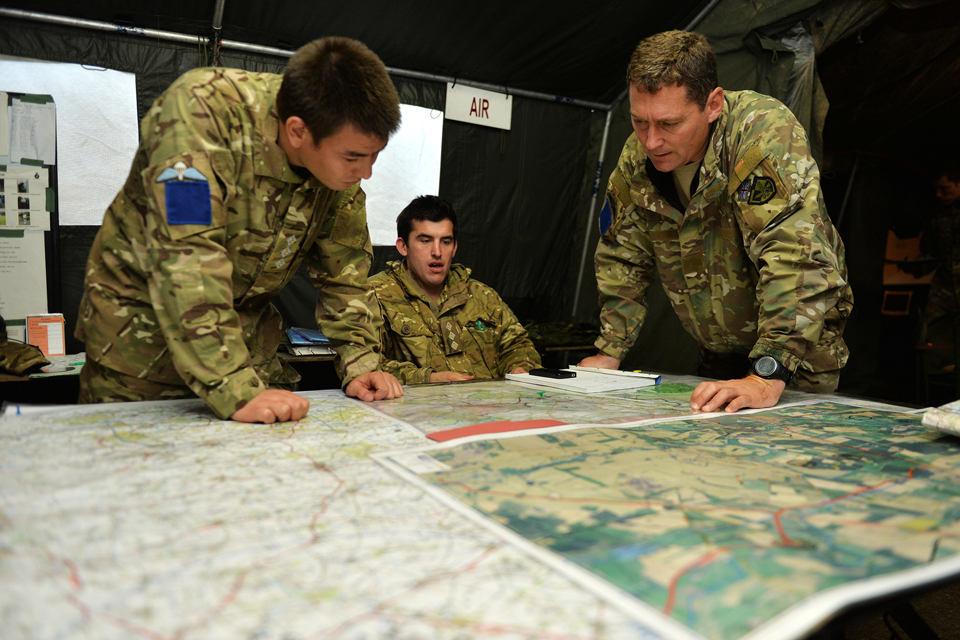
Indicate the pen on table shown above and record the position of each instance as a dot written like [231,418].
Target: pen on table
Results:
[618,372]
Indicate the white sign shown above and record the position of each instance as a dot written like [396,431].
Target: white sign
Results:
[487,108]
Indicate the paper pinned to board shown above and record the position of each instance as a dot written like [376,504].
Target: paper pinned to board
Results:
[33,134]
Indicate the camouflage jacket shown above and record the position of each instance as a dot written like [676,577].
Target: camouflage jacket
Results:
[941,239]
[182,272]
[468,329]
[752,266]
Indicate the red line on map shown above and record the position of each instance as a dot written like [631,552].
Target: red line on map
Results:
[380,609]
[699,562]
[776,516]
[74,574]
[918,463]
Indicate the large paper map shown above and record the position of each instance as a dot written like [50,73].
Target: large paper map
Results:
[433,408]
[724,523]
[156,520]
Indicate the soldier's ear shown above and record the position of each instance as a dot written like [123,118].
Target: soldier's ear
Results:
[296,131]
[402,247]
[714,104]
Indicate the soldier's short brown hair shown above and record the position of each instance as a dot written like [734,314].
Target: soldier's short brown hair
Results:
[430,208]
[670,58]
[333,81]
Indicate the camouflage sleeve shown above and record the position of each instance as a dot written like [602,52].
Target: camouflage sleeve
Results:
[188,269]
[516,348]
[790,239]
[624,263]
[347,310]
[403,370]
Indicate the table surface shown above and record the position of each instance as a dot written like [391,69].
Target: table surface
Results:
[623,516]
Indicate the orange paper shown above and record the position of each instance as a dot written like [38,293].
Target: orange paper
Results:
[499,426]
[46,331]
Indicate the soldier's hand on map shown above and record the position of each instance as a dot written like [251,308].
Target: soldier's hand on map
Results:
[752,392]
[519,370]
[448,376]
[273,405]
[600,361]
[374,385]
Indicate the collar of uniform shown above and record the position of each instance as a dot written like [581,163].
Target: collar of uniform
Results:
[715,181]
[456,282]
[270,159]
[643,190]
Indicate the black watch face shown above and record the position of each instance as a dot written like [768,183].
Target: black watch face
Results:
[765,366]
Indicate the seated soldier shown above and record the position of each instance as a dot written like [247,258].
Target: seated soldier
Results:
[439,325]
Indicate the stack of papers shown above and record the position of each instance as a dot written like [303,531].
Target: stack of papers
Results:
[589,380]
[308,342]
[945,418]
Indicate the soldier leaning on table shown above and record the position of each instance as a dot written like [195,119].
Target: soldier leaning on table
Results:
[716,192]
[239,178]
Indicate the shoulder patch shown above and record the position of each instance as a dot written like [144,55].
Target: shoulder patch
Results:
[758,190]
[188,203]
[188,200]
[606,216]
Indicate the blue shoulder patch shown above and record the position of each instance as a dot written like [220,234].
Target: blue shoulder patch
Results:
[606,216]
[188,202]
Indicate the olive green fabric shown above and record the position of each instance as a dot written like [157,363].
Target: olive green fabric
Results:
[752,266]
[468,329]
[185,299]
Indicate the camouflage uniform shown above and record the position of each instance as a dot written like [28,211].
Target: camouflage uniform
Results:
[941,239]
[468,329]
[752,267]
[178,291]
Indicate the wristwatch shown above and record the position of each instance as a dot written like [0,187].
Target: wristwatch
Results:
[770,368]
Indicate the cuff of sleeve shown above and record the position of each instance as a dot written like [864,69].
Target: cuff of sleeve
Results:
[614,349]
[417,376]
[784,357]
[234,392]
[354,361]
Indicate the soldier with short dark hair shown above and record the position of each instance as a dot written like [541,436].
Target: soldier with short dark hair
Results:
[716,192]
[239,178]
[440,325]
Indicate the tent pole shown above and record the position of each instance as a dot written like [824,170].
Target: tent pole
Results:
[283,53]
[846,196]
[593,208]
[603,148]
[217,27]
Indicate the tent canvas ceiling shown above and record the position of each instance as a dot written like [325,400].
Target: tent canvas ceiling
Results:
[564,48]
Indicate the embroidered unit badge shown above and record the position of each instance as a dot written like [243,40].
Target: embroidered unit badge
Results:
[187,195]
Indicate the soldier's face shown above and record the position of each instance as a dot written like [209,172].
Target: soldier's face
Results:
[429,253]
[673,130]
[947,191]
[338,161]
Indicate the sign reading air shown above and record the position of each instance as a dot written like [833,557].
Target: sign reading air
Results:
[476,106]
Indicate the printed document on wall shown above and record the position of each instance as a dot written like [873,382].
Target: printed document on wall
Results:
[33,131]
[23,278]
[23,199]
